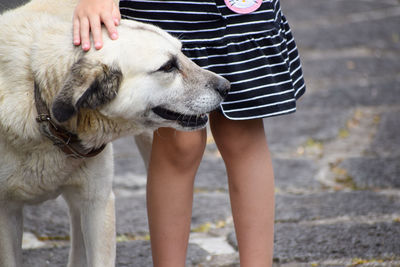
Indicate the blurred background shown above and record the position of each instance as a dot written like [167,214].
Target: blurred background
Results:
[336,160]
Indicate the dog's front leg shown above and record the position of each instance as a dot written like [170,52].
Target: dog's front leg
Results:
[144,142]
[93,231]
[10,234]
[77,253]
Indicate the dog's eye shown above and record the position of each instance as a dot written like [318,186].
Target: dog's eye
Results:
[170,66]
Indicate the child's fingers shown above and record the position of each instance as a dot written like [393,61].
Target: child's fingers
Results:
[116,14]
[88,17]
[84,33]
[76,34]
[110,25]
[95,27]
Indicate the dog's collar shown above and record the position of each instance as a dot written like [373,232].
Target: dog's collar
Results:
[68,142]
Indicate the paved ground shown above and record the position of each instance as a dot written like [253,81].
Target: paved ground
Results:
[337,164]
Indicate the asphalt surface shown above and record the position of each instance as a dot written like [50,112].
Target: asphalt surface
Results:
[336,160]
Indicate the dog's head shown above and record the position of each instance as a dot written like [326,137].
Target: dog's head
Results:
[142,77]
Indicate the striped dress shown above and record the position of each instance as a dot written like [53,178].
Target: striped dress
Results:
[256,52]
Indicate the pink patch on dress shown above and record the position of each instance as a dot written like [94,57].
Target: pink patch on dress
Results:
[243,6]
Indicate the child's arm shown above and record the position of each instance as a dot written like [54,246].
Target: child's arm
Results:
[88,16]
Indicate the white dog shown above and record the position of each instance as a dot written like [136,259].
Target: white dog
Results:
[60,107]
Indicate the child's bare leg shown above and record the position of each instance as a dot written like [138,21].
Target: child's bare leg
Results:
[244,148]
[173,164]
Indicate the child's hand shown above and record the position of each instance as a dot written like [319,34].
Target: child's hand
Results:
[88,16]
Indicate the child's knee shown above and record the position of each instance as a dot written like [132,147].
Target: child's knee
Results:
[182,149]
[238,138]
[189,150]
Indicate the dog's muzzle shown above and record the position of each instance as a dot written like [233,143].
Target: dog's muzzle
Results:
[219,84]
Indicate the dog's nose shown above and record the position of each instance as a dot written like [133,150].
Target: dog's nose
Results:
[223,86]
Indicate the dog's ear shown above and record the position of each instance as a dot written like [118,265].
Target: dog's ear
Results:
[88,85]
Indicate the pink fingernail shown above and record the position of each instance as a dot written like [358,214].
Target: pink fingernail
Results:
[85,46]
[97,45]
[114,35]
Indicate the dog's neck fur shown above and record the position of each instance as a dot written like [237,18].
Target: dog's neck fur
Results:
[94,129]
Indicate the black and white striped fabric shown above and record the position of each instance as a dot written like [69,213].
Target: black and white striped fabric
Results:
[256,52]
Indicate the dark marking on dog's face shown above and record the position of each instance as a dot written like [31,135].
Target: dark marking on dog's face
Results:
[88,85]
[102,90]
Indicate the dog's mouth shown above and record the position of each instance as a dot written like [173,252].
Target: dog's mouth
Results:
[185,120]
